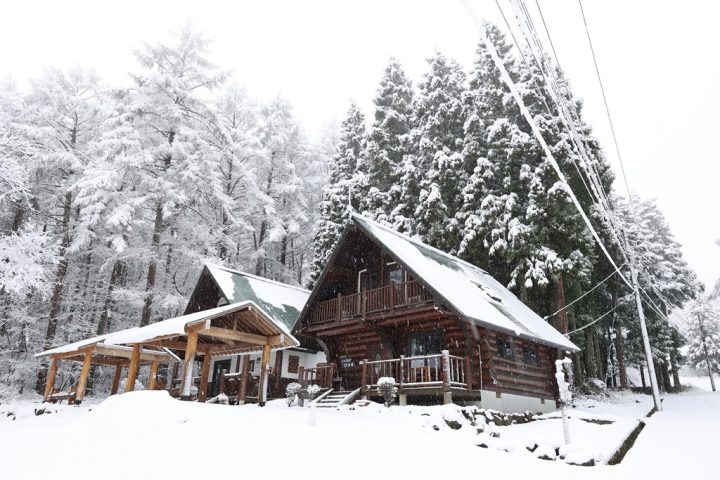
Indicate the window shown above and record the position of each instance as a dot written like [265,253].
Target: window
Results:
[396,275]
[530,356]
[293,364]
[505,349]
[424,343]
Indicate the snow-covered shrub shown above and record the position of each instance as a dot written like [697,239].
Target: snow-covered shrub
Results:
[387,388]
[312,391]
[291,392]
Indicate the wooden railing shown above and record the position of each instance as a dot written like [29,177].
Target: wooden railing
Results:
[441,370]
[389,297]
[322,375]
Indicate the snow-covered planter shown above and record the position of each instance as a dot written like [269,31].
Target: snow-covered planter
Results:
[388,390]
[291,392]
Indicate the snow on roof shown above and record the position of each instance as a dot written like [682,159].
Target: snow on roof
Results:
[280,301]
[171,326]
[469,289]
[71,347]
[167,328]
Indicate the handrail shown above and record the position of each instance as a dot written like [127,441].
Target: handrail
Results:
[419,371]
[388,297]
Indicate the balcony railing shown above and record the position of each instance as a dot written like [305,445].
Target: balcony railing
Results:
[441,370]
[358,305]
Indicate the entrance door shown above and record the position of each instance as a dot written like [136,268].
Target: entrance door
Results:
[218,367]
[428,342]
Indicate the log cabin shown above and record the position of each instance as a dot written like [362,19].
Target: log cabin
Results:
[218,286]
[387,305]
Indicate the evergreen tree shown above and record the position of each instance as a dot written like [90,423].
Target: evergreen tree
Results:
[387,142]
[704,336]
[343,190]
[430,193]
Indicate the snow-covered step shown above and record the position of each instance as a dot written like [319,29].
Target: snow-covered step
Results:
[336,398]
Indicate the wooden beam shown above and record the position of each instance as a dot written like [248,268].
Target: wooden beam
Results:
[264,367]
[145,355]
[133,368]
[235,336]
[82,383]
[204,374]
[116,379]
[51,378]
[153,374]
[188,365]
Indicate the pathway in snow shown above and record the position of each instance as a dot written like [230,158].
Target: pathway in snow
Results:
[680,440]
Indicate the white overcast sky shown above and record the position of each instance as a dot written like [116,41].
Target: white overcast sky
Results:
[659,63]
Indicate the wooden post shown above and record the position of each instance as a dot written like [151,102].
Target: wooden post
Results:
[204,373]
[51,378]
[301,376]
[278,369]
[339,308]
[116,380]
[153,374]
[363,379]
[133,368]
[447,393]
[468,373]
[242,392]
[80,394]
[187,378]
[331,376]
[264,364]
[401,373]
[221,381]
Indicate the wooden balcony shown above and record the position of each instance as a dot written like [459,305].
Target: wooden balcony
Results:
[422,371]
[380,301]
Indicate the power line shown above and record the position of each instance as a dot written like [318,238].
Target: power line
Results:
[595,321]
[607,109]
[538,135]
[583,295]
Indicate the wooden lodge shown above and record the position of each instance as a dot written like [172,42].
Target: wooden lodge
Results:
[389,306]
[385,305]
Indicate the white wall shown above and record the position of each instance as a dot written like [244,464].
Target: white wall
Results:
[307,360]
[510,403]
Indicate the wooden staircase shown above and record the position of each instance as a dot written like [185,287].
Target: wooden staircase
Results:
[336,398]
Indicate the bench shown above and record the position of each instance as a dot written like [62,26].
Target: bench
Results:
[56,396]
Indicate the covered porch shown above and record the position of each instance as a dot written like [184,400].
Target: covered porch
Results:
[227,330]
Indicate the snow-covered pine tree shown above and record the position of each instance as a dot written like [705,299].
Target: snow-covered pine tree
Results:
[387,142]
[169,106]
[65,109]
[431,185]
[343,190]
[704,336]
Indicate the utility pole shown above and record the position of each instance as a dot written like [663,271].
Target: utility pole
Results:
[705,349]
[646,339]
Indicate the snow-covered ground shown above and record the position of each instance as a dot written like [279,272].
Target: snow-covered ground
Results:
[149,435]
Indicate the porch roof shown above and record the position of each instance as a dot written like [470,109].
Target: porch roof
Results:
[236,328]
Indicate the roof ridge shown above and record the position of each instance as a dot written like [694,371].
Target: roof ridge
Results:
[417,242]
[257,277]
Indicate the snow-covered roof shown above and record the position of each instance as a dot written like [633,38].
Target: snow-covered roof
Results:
[174,327]
[280,301]
[469,290]
[71,347]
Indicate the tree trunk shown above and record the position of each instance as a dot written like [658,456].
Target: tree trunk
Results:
[642,376]
[620,349]
[675,373]
[56,299]
[590,365]
[152,268]
[562,319]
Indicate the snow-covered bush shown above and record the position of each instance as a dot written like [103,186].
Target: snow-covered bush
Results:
[312,391]
[387,388]
[291,392]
